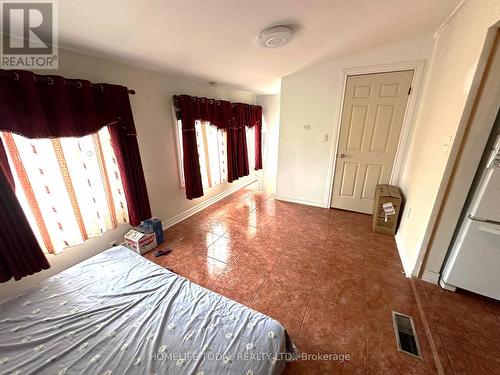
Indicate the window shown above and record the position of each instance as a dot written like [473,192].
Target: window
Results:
[212,146]
[212,152]
[70,188]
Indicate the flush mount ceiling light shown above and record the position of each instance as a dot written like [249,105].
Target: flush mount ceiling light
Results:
[276,36]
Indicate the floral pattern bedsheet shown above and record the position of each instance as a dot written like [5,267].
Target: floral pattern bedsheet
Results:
[118,313]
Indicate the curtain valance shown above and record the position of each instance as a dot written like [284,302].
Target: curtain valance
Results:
[50,106]
[220,113]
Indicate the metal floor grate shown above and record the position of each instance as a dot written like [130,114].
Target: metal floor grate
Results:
[406,336]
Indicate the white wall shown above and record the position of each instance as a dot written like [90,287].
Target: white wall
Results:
[270,139]
[152,108]
[312,97]
[455,59]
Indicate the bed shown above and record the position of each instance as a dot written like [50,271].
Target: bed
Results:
[118,313]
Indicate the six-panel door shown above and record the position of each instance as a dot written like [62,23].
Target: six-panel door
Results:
[372,118]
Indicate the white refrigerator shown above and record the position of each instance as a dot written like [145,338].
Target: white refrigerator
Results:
[473,261]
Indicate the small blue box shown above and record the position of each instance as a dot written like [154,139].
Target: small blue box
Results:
[154,224]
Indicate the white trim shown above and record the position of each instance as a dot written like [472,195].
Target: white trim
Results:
[300,201]
[193,210]
[180,171]
[408,120]
[407,264]
[430,277]
[332,164]
[448,19]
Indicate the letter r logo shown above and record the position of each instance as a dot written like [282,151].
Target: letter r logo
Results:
[27,28]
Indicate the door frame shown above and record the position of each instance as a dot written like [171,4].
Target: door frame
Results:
[408,120]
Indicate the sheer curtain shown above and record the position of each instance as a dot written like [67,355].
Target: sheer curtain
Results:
[211,143]
[69,188]
[250,134]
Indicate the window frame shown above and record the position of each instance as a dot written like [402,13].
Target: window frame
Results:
[179,149]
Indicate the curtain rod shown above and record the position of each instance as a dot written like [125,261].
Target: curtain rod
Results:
[217,101]
[40,78]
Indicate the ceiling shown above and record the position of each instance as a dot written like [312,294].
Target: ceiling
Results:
[215,40]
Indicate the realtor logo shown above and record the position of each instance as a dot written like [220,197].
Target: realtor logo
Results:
[29,35]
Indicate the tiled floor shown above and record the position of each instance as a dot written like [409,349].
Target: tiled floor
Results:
[465,328]
[327,278]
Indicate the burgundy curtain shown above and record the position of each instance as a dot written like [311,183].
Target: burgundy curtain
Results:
[241,119]
[232,117]
[189,110]
[37,106]
[20,253]
[124,142]
[52,106]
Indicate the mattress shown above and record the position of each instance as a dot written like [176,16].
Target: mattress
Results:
[118,313]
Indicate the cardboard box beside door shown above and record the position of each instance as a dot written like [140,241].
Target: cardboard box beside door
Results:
[386,209]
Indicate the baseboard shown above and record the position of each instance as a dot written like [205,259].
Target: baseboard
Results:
[408,267]
[193,210]
[430,277]
[301,201]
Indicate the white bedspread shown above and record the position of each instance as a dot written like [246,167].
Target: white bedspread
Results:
[118,313]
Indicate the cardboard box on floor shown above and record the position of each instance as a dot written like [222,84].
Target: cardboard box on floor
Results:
[140,242]
[386,209]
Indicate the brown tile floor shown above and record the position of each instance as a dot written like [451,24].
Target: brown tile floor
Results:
[465,328]
[328,279]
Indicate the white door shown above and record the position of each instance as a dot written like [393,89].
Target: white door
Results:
[372,118]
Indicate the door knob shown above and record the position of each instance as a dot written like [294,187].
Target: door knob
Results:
[342,156]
